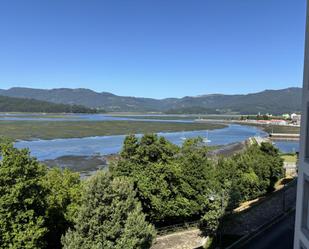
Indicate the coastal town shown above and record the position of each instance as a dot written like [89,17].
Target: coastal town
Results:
[292,119]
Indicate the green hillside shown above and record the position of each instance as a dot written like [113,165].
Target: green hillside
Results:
[9,104]
[268,101]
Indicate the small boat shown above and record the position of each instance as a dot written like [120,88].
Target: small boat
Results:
[206,140]
[183,136]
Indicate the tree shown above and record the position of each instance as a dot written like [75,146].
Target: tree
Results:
[275,163]
[22,200]
[130,145]
[269,149]
[63,195]
[109,217]
[210,221]
[252,173]
[160,190]
[171,181]
[149,149]
[37,205]
[198,173]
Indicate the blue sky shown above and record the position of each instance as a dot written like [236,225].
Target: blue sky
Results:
[152,48]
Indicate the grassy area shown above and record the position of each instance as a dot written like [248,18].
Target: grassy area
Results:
[282,129]
[275,128]
[289,158]
[28,130]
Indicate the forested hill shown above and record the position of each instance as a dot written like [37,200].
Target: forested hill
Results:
[9,104]
[268,101]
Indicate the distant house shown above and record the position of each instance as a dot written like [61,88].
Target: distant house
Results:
[296,118]
[293,115]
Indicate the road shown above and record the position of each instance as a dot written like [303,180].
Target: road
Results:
[278,236]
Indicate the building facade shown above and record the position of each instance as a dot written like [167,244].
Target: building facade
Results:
[301,238]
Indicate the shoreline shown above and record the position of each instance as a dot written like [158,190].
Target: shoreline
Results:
[85,164]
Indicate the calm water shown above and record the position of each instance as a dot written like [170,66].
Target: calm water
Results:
[51,149]
[86,117]
[287,146]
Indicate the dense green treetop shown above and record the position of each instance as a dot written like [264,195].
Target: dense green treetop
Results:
[154,181]
[110,217]
[37,205]
[175,183]
[63,198]
[172,182]
[22,200]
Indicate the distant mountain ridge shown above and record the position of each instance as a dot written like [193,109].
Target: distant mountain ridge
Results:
[11,104]
[268,101]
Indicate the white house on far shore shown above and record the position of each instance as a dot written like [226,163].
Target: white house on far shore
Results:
[296,118]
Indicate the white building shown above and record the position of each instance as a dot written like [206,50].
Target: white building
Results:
[296,118]
[301,239]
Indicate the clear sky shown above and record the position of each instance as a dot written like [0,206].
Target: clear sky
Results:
[152,48]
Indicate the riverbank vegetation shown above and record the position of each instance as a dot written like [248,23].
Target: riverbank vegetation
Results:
[27,130]
[282,129]
[154,183]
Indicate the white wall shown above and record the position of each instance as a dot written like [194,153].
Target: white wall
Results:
[300,237]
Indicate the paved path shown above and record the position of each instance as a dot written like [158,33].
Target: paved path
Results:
[279,236]
[182,240]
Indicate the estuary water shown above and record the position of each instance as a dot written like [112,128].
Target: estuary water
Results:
[287,146]
[104,145]
[94,117]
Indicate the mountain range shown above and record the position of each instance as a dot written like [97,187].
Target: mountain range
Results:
[268,101]
[11,104]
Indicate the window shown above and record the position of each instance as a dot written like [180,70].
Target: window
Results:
[307,136]
[305,207]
